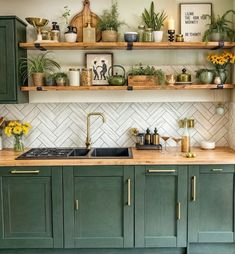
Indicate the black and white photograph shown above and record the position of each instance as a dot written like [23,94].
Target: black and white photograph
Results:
[100,64]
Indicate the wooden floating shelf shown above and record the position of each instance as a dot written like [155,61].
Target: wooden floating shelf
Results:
[124,45]
[123,88]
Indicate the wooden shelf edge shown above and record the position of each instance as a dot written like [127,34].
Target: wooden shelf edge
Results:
[124,45]
[124,88]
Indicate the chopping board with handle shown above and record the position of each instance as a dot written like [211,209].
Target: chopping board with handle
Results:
[81,19]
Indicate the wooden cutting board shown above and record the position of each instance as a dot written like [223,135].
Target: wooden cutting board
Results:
[80,20]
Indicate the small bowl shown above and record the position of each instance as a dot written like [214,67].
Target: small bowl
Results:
[131,37]
[207,145]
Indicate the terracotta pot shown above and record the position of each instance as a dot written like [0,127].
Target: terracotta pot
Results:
[38,79]
[109,36]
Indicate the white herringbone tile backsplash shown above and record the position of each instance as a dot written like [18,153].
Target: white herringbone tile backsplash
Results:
[64,125]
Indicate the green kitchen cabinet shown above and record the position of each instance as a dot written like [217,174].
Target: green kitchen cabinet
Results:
[12,31]
[98,208]
[31,207]
[211,204]
[160,206]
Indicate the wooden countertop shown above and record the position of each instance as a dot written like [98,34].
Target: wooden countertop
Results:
[217,156]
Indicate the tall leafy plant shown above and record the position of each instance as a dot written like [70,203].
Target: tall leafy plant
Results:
[220,24]
[152,19]
[41,63]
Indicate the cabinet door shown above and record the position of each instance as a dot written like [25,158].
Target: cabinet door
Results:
[98,207]
[160,206]
[7,61]
[31,208]
[211,204]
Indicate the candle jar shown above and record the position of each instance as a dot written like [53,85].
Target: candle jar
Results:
[179,38]
[148,35]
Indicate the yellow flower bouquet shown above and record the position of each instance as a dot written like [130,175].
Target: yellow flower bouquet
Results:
[220,61]
[18,130]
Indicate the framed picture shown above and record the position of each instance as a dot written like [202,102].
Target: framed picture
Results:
[100,64]
[193,22]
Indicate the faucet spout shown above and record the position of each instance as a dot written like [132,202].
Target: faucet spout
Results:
[88,138]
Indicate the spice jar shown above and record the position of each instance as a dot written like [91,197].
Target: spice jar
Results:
[148,35]
[179,38]
[141,30]
[86,77]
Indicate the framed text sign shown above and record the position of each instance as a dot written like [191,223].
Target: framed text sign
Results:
[193,20]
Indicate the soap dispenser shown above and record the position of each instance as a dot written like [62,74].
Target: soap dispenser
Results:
[148,137]
[155,137]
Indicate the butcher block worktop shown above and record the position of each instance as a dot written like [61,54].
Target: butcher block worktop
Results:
[217,156]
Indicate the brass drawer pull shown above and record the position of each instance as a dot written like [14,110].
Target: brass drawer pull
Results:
[193,190]
[129,192]
[76,205]
[161,171]
[25,172]
[217,170]
[178,211]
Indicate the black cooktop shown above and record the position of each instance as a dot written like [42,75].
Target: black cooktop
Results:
[45,153]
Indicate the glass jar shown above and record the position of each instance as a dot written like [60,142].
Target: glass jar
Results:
[148,35]
[86,77]
[141,30]
[179,38]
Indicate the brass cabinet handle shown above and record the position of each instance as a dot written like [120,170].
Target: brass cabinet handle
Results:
[161,171]
[217,170]
[76,204]
[178,211]
[129,192]
[193,186]
[25,172]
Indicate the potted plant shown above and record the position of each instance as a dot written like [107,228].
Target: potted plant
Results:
[155,21]
[36,67]
[219,29]
[145,76]
[61,79]
[205,76]
[109,24]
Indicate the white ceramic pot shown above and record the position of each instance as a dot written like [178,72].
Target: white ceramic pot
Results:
[70,37]
[158,36]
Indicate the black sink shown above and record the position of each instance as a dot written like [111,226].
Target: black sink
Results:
[111,153]
[79,152]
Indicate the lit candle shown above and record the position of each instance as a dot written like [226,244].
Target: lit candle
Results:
[171,24]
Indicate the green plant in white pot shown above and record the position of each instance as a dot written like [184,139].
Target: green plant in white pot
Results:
[61,79]
[109,24]
[36,67]
[154,20]
[219,29]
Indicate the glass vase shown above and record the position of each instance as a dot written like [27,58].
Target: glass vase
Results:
[222,72]
[18,144]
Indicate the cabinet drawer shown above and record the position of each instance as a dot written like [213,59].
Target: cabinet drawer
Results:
[25,171]
[161,169]
[205,169]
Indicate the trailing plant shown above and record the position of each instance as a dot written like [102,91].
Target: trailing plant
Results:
[109,20]
[37,64]
[152,19]
[220,24]
[140,70]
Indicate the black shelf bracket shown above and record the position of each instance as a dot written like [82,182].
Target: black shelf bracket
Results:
[38,46]
[129,45]
[39,88]
[220,45]
[130,88]
[219,87]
